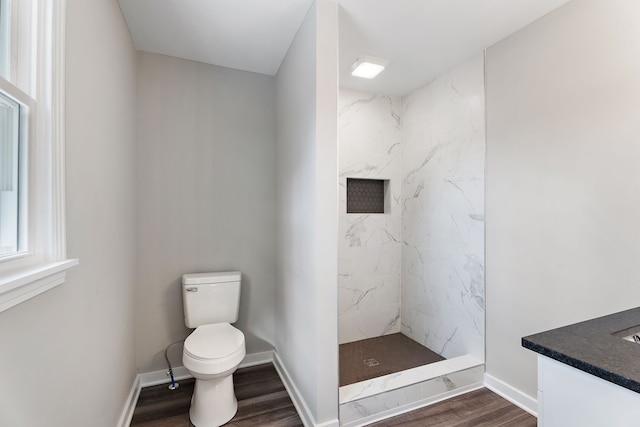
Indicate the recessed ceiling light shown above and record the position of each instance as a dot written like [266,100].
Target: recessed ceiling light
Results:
[368,67]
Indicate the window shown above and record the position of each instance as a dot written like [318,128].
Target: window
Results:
[32,226]
[11,237]
[5,37]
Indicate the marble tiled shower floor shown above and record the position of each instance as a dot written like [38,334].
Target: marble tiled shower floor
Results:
[375,357]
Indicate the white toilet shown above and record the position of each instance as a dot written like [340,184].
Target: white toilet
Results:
[214,350]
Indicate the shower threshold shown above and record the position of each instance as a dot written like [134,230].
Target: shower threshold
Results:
[440,371]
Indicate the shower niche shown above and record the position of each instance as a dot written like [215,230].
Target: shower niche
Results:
[367,196]
[411,268]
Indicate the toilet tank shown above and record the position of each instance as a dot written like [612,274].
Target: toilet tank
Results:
[211,298]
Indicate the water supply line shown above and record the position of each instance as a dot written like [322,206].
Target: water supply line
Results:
[174,385]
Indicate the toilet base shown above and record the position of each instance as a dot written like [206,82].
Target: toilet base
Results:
[213,403]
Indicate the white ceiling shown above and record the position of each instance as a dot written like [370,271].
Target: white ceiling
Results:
[424,38]
[248,35]
[421,38]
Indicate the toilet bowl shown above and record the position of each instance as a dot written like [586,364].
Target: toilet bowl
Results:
[211,354]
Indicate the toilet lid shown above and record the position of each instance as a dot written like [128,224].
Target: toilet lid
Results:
[214,341]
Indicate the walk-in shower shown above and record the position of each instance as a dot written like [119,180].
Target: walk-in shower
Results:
[411,277]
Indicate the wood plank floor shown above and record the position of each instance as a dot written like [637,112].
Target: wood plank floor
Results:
[262,401]
[480,408]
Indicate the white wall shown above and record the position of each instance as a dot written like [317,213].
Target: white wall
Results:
[443,151]
[206,170]
[563,177]
[370,245]
[68,354]
[306,182]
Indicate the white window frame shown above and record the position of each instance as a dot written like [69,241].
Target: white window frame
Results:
[26,128]
[44,263]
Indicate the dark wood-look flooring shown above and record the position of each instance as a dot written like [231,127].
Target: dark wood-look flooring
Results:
[393,353]
[262,401]
[480,408]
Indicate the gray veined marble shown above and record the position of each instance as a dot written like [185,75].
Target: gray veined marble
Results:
[356,229]
[370,247]
[443,212]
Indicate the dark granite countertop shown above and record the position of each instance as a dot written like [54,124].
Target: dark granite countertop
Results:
[591,347]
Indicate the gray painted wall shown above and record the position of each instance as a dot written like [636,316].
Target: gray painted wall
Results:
[307,220]
[206,185]
[563,101]
[68,354]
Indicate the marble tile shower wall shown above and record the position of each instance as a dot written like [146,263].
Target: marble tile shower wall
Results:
[370,244]
[443,151]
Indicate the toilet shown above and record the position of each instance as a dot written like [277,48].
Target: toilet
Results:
[214,349]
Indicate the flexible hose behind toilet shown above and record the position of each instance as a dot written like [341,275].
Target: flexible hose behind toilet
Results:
[174,385]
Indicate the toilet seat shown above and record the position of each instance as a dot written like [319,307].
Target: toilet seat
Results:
[215,348]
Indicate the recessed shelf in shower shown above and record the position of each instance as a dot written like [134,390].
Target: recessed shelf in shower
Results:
[367,195]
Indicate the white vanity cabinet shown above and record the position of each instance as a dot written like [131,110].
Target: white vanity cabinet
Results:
[568,397]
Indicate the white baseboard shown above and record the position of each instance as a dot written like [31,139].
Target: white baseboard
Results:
[130,404]
[149,379]
[296,397]
[254,359]
[512,394]
[298,401]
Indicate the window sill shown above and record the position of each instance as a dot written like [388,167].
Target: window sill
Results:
[22,285]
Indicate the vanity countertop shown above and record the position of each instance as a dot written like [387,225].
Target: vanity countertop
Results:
[591,347]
